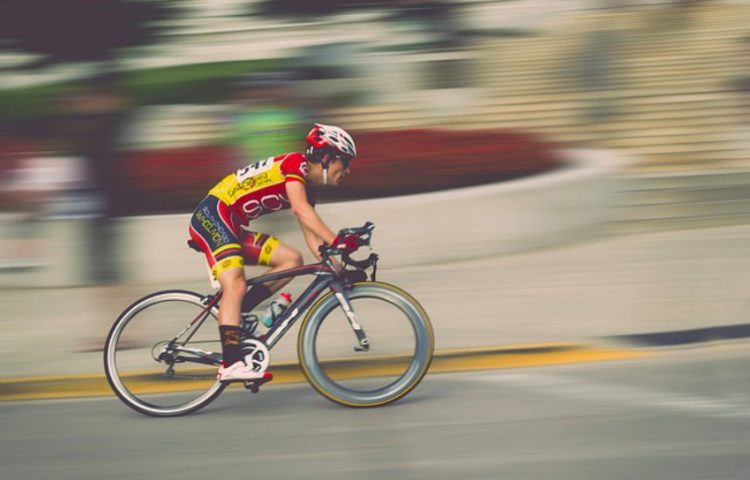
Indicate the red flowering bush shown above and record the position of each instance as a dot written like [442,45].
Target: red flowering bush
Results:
[415,161]
[171,180]
[391,163]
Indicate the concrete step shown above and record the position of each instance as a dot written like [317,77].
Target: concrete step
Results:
[722,54]
[504,114]
[640,226]
[684,138]
[682,199]
[565,81]
[678,154]
[651,53]
[727,109]
[687,195]
[633,97]
[650,123]
[631,133]
[696,70]
[529,118]
[690,181]
[665,132]
[641,61]
[713,148]
[689,161]
[685,210]
[687,108]
[569,65]
[619,91]
[620,88]
[533,124]
[718,58]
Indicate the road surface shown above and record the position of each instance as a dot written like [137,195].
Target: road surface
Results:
[678,414]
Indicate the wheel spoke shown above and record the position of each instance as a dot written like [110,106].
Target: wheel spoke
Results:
[158,376]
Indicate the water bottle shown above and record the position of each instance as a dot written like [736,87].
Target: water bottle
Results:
[275,309]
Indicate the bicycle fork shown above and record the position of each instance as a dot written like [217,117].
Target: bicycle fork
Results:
[364,343]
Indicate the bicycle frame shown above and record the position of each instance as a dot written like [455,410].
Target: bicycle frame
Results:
[325,279]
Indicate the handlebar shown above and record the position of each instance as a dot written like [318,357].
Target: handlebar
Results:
[364,230]
[364,237]
[361,264]
[363,234]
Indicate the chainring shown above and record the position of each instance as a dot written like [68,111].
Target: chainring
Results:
[256,354]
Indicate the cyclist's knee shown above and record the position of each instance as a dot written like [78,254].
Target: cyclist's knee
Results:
[295,259]
[233,282]
[286,257]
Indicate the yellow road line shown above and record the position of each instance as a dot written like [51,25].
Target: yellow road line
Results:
[458,360]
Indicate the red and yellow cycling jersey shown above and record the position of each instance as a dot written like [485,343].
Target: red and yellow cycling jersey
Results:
[260,188]
[219,224]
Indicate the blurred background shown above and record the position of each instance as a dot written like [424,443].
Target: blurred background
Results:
[538,170]
[582,120]
[125,108]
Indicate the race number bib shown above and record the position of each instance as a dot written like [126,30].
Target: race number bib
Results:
[254,169]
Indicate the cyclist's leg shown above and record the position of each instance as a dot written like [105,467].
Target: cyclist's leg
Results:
[232,281]
[213,229]
[265,250]
[233,285]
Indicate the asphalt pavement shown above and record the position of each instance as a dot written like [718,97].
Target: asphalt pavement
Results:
[682,416]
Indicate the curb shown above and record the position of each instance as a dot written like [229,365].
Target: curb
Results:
[445,361]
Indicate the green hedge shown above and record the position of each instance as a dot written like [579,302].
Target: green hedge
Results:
[197,83]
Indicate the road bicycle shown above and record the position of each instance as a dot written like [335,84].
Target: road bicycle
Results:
[362,342]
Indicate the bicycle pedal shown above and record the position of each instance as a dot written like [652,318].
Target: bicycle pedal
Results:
[254,385]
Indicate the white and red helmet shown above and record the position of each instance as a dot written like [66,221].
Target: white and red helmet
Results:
[327,139]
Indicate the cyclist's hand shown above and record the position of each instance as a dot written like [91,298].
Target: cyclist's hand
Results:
[347,243]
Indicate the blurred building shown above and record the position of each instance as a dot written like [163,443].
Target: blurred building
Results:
[662,82]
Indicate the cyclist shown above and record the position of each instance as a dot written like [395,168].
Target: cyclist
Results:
[219,226]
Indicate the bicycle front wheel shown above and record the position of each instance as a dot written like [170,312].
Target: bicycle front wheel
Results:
[401,344]
[162,353]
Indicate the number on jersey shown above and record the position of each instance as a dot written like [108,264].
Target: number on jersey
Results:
[254,169]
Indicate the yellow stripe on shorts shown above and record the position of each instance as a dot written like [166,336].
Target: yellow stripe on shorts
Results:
[226,247]
[267,250]
[227,263]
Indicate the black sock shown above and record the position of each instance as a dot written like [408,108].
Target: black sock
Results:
[254,296]
[230,344]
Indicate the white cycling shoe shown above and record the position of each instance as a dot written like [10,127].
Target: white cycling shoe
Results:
[239,371]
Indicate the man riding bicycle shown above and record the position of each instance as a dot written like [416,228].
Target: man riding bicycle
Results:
[219,228]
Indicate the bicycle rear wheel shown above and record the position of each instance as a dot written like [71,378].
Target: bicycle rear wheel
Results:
[162,353]
[401,346]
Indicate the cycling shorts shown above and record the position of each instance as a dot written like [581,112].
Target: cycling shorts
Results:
[219,233]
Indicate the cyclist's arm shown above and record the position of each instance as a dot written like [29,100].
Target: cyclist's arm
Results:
[312,225]
[312,240]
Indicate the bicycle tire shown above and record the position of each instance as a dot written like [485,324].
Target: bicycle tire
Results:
[315,370]
[117,378]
